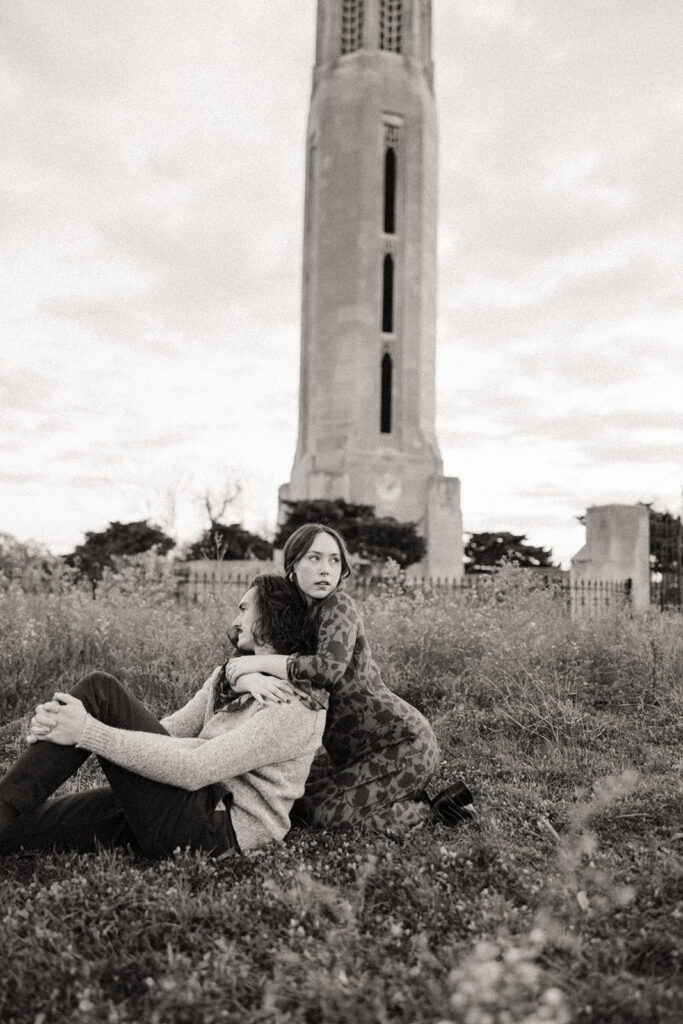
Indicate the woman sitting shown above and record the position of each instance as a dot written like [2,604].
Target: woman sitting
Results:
[380,752]
[218,775]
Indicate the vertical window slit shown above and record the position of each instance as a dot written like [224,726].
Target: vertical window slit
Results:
[390,191]
[385,411]
[388,295]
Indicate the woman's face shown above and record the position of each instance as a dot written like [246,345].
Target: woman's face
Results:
[243,625]
[318,570]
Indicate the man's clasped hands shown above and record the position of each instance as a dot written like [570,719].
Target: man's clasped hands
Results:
[60,720]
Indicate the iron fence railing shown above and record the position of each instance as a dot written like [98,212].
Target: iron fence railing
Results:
[581,597]
[594,597]
[666,591]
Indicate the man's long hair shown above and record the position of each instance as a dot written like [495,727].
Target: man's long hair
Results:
[282,621]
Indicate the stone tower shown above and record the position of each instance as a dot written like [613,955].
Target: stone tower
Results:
[367,386]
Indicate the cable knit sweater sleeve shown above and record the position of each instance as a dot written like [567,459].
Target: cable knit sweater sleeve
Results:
[337,633]
[188,720]
[275,733]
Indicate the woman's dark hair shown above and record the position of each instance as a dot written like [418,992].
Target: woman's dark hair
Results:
[282,620]
[301,540]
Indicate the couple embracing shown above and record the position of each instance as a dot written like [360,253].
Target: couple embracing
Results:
[297,726]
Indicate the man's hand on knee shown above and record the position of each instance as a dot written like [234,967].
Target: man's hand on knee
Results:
[59,721]
[43,721]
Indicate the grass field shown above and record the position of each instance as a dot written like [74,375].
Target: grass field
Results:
[563,903]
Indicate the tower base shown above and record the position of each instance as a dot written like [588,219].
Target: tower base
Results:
[439,519]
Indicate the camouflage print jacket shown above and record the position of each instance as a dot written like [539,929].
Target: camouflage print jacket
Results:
[363,714]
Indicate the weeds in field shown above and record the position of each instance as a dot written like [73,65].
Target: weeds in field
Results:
[563,903]
[500,982]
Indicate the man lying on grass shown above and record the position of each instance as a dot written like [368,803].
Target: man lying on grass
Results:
[219,775]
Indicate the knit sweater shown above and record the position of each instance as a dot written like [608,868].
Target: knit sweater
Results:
[261,755]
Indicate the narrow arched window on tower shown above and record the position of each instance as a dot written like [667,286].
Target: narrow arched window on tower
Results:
[390,191]
[352,26]
[385,407]
[390,14]
[388,294]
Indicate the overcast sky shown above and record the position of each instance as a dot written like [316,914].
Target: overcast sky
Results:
[151,223]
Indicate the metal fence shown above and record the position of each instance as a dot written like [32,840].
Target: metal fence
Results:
[666,591]
[589,598]
[580,597]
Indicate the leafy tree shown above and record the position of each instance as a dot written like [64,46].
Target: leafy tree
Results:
[30,563]
[98,552]
[666,535]
[221,542]
[16,555]
[666,561]
[485,550]
[367,535]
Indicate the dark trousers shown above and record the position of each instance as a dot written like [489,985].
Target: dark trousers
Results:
[150,817]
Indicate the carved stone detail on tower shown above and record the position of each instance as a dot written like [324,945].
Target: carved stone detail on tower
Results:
[392,135]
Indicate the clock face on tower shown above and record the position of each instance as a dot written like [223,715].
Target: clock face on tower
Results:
[389,487]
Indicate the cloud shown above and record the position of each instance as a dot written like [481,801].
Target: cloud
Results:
[21,478]
[90,481]
[175,209]
[595,436]
[152,213]
[23,389]
[561,177]
[111,321]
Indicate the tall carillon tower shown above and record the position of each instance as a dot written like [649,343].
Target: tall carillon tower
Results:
[366,402]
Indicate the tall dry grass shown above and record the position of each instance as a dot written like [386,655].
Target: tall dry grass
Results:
[515,650]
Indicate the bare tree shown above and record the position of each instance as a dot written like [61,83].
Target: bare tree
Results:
[216,502]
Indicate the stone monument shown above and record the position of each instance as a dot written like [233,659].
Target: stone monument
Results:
[367,374]
[617,548]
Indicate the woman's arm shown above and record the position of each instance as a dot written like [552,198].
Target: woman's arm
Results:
[264,689]
[337,633]
[266,664]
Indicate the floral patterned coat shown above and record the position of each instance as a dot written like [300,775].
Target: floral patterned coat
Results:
[363,715]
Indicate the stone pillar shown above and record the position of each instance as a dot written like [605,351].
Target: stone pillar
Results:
[617,548]
[444,529]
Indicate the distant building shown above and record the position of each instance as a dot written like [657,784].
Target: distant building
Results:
[367,388]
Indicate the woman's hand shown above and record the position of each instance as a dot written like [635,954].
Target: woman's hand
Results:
[268,664]
[266,689]
[60,720]
[240,666]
